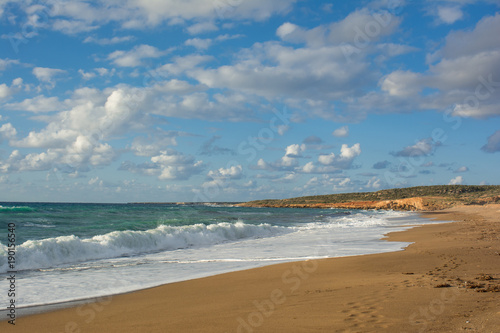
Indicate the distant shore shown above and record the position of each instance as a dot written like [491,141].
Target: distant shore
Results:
[420,198]
[447,281]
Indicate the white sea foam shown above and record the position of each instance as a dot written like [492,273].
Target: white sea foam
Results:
[16,209]
[51,252]
[123,261]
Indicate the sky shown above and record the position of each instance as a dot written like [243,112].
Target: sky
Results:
[235,100]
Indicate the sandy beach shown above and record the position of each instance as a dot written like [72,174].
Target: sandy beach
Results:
[447,281]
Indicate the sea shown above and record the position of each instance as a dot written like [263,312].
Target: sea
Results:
[74,251]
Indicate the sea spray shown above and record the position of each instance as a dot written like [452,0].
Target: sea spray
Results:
[51,252]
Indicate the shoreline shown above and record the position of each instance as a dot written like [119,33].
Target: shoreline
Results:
[41,308]
[335,293]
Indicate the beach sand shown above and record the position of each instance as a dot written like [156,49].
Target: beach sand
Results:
[444,282]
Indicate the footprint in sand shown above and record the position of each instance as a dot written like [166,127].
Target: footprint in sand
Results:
[365,313]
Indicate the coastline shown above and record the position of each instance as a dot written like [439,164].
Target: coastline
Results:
[390,292]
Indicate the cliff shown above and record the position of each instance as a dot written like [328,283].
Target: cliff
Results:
[427,198]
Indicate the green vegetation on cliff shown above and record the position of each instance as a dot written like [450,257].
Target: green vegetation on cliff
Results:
[466,194]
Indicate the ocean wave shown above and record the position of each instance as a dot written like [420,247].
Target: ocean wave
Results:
[51,252]
[363,220]
[16,209]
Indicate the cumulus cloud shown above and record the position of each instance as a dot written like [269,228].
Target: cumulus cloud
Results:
[493,144]
[381,165]
[348,30]
[458,180]
[459,74]
[5,63]
[449,15]
[423,147]
[45,74]
[96,72]
[233,172]
[288,162]
[38,104]
[73,17]
[135,57]
[199,43]
[402,83]
[155,143]
[5,91]
[7,132]
[77,137]
[271,70]
[333,163]
[461,169]
[177,166]
[167,165]
[341,132]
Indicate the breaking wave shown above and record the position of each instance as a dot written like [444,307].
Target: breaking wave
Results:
[51,252]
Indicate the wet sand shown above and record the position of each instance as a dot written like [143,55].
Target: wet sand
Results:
[447,281]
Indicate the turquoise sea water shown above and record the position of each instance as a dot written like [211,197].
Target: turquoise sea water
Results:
[62,249]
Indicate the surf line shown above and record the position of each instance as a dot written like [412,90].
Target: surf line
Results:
[11,272]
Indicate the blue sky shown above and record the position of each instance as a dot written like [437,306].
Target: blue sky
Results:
[233,100]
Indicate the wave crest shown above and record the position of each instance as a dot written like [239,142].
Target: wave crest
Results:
[51,252]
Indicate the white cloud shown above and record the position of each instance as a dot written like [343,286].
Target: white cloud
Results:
[202,27]
[86,75]
[182,64]
[402,83]
[288,162]
[341,132]
[271,70]
[167,165]
[95,180]
[38,104]
[327,159]
[295,150]
[423,147]
[345,182]
[449,15]
[462,169]
[5,91]
[201,44]
[96,72]
[349,153]
[177,166]
[134,57]
[332,163]
[233,172]
[287,178]
[7,132]
[374,183]
[286,29]
[471,42]
[72,27]
[493,144]
[153,145]
[458,180]
[137,14]
[73,17]
[109,41]
[5,63]
[359,27]
[44,74]
[76,138]
[17,82]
